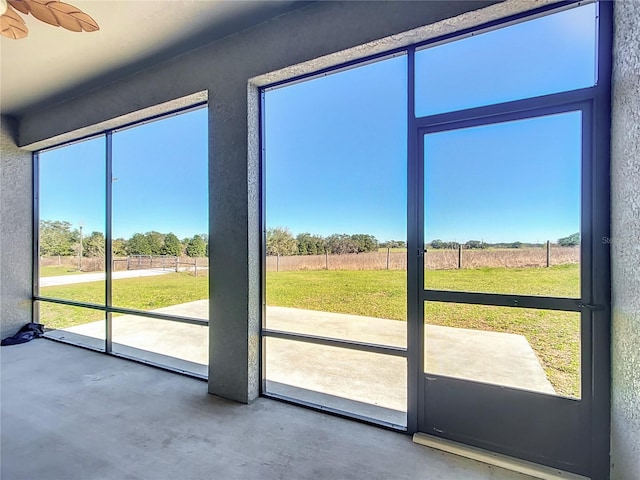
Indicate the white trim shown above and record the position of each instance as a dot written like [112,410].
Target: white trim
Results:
[118,122]
[447,26]
[509,463]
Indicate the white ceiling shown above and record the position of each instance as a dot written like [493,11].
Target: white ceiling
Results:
[53,63]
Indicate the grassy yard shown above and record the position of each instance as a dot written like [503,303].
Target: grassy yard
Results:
[55,271]
[378,293]
[382,293]
[141,293]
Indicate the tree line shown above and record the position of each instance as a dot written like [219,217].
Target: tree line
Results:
[280,241]
[60,238]
[569,241]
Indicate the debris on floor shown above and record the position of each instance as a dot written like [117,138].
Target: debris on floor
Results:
[25,334]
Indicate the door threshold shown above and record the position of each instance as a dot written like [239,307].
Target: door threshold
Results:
[503,461]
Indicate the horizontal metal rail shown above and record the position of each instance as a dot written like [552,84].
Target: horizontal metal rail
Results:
[333,342]
[512,110]
[125,311]
[501,300]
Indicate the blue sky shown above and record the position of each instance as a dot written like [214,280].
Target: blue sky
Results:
[336,149]
[160,179]
[72,184]
[336,145]
[517,181]
[161,172]
[529,59]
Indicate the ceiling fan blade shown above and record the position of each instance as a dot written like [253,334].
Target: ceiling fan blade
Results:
[64,14]
[72,18]
[87,23]
[56,13]
[42,12]
[20,5]
[12,25]
[13,15]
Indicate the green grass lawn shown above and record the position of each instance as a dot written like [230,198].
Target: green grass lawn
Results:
[382,293]
[55,271]
[554,336]
[141,293]
[556,281]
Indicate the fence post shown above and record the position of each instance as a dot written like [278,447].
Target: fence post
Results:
[277,262]
[80,251]
[177,264]
[388,250]
[460,256]
[195,266]
[548,253]
[326,259]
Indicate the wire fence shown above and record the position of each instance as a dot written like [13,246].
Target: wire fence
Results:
[440,259]
[182,263]
[385,259]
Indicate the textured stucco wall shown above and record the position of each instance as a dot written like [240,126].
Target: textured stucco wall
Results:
[15,231]
[625,242]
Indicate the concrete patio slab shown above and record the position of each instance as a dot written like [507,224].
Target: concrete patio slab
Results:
[368,384]
[492,357]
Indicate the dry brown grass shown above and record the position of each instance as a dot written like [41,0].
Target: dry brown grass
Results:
[89,264]
[434,259]
[501,257]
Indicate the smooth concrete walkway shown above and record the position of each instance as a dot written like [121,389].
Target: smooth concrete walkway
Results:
[492,357]
[99,276]
[368,384]
[72,414]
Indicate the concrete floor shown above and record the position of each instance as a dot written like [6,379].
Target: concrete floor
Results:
[73,414]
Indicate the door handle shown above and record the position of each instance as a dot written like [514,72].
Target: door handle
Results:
[591,307]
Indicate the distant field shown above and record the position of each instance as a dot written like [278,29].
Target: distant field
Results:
[433,259]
